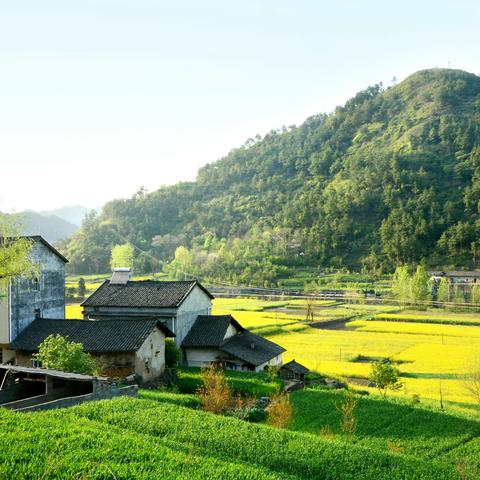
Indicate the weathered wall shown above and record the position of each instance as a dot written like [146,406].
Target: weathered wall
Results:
[231,331]
[150,358]
[49,300]
[197,303]
[4,332]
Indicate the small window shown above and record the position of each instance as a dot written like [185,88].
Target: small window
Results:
[37,283]
[38,313]
[36,363]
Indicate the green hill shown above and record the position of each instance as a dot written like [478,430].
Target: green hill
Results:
[393,176]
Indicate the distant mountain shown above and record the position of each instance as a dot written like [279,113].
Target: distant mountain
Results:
[74,214]
[50,227]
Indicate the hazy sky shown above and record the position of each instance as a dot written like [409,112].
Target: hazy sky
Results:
[100,97]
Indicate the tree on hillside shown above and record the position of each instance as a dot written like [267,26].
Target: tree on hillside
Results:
[472,380]
[58,353]
[122,256]
[14,251]
[385,376]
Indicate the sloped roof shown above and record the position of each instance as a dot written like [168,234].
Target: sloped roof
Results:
[460,273]
[39,239]
[146,293]
[295,367]
[209,331]
[96,335]
[240,346]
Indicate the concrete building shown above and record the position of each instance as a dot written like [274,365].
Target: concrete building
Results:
[124,346]
[22,300]
[220,339]
[177,304]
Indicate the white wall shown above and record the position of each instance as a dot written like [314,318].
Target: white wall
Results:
[201,357]
[274,362]
[196,303]
[150,358]
[4,330]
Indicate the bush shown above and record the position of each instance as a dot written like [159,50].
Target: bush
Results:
[280,411]
[57,353]
[215,392]
[385,376]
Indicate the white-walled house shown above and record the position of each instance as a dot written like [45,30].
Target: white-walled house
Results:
[177,304]
[220,339]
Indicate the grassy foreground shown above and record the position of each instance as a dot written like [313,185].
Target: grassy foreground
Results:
[143,439]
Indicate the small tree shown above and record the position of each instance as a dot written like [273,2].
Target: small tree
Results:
[215,393]
[309,303]
[420,284]
[471,380]
[385,376]
[172,353]
[401,284]
[442,290]
[58,353]
[280,411]
[348,421]
[82,289]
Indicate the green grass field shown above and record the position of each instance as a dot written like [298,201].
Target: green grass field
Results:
[144,438]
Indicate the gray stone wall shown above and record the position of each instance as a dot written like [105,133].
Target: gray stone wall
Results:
[48,299]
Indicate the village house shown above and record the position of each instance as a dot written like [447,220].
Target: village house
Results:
[22,300]
[458,277]
[220,339]
[123,346]
[177,304]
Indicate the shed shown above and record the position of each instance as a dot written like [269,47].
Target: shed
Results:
[293,371]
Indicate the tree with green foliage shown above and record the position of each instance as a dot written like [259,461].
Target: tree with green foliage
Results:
[58,353]
[401,284]
[420,284]
[385,376]
[81,289]
[14,251]
[443,290]
[122,256]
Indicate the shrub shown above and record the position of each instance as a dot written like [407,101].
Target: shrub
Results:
[172,353]
[348,421]
[280,411]
[215,393]
[57,353]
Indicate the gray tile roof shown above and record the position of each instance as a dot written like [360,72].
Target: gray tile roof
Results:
[147,294]
[96,335]
[251,348]
[295,367]
[209,331]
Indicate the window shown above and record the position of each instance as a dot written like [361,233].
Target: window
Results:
[38,313]
[37,283]
[36,363]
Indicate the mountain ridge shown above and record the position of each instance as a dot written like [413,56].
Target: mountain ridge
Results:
[392,176]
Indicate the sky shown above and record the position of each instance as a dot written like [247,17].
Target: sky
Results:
[101,97]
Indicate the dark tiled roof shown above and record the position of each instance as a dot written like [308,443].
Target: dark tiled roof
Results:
[460,273]
[209,331]
[147,294]
[96,336]
[240,346]
[295,367]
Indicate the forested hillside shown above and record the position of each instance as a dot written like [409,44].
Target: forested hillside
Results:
[391,177]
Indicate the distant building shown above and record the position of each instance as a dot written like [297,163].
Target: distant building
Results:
[22,300]
[293,371]
[177,304]
[457,277]
[220,339]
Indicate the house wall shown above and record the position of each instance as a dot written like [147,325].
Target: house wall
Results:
[49,300]
[201,357]
[196,303]
[231,331]
[150,358]
[274,362]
